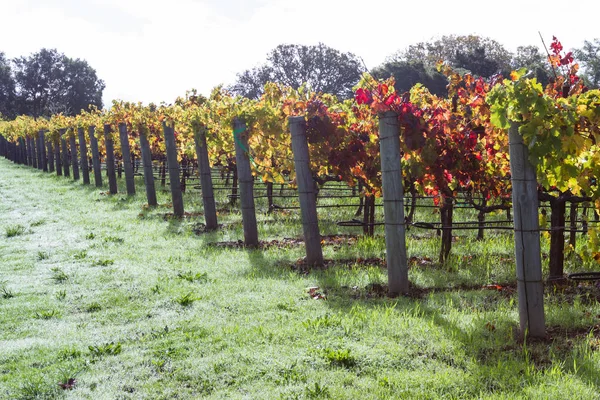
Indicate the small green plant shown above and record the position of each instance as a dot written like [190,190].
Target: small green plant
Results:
[90,236]
[35,387]
[323,321]
[43,255]
[113,239]
[67,377]
[186,300]
[58,275]
[61,295]
[5,292]
[155,289]
[38,222]
[14,230]
[93,307]
[103,262]
[317,391]
[80,255]
[46,314]
[340,358]
[191,277]
[69,353]
[107,349]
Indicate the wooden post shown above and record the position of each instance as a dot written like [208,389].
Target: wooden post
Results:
[393,203]
[527,237]
[95,156]
[74,160]
[85,170]
[306,192]
[246,182]
[148,173]
[50,153]
[33,147]
[173,166]
[110,160]
[57,158]
[126,156]
[208,197]
[38,150]
[44,157]
[65,153]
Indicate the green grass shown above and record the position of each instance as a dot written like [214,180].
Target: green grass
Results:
[132,304]
[14,230]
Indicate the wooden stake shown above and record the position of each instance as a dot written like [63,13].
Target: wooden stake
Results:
[173,166]
[95,156]
[306,192]
[246,182]
[126,156]
[110,160]
[208,197]
[85,170]
[148,173]
[527,237]
[74,160]
[393,203]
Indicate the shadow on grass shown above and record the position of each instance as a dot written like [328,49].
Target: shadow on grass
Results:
[489,338]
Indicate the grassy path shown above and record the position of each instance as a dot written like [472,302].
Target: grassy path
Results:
[133,305]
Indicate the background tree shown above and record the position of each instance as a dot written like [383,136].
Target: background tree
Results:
[48,82]
[589,57]
[481,56]
[407,74]
[322,68]
[533,59]
[7,89]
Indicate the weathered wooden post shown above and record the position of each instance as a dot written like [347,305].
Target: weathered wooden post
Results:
[20,153]
[208,197]
[306,192]
[50,153]
[95,156]
[126,156]
[65,153]
[147,163]
[246,182]
[110,160]
[57,158]
[173,166]
[39,151]
[33,147]
[530,287]
[74,160]
[43,150]
[85,170]
[393,203]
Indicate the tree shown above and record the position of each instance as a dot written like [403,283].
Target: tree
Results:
[80,86]
[481,56]
[406,74]
[322,68]
[48,82]
[589,56]
[7,88]
[531,58]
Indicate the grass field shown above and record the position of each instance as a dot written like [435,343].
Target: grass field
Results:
[102,298]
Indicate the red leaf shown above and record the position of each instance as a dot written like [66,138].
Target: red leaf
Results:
[362,96]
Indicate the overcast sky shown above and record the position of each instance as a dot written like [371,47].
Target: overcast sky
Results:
[155,50]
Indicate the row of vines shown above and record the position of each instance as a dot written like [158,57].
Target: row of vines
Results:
[458,145]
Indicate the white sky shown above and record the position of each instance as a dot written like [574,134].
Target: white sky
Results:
[155,50]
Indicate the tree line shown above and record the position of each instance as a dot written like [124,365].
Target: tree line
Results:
[46,83]
[49,82]
[331,71]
